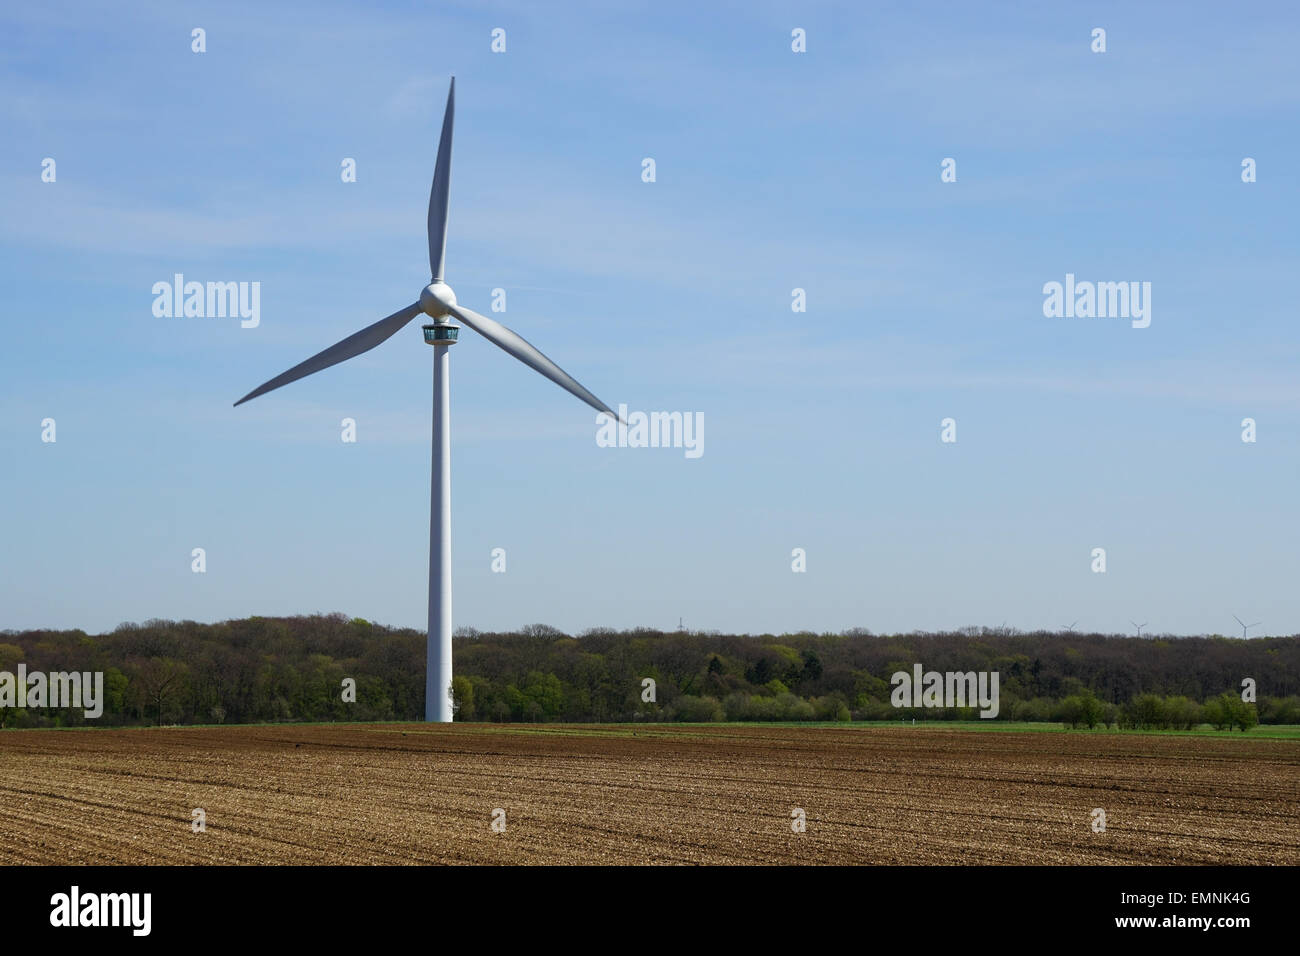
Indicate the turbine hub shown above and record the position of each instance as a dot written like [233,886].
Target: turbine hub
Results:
[436,299]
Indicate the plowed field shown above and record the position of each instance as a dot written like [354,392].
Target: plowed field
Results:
[419,794]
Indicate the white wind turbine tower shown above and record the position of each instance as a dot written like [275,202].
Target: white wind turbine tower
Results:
[438,302]
[1244,626]
[1138,626]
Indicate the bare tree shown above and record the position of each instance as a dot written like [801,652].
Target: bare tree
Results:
[159,678]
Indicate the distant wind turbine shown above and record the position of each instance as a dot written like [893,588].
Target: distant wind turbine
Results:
[1138,626]
[1070,627]
[1244,626]
[438,302]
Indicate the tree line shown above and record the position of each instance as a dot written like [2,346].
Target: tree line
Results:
[295,669]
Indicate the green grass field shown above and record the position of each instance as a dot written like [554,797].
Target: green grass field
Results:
[649,728]
[1270,732]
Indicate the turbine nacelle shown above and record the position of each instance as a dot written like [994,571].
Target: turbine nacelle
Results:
[437,300]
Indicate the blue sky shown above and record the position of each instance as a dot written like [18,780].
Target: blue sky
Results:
[775,170]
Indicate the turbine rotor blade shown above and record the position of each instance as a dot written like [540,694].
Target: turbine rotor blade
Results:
[352,346]
[438,192]
[520,348]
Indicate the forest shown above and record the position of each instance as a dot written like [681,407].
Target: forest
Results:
[263,669]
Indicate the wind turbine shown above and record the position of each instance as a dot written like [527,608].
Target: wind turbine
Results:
[439,303]
[1245,626]
[1138,626]
[1070,627]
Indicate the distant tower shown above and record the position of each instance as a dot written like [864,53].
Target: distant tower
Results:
[1245,627]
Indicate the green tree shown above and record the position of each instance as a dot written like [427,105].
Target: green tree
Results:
[694,709]
[462,698]
[543,696]
[1071,710]
[812,666]
[1149,712]
[115,688]
[1182,713]
[1244,715]
[10,655]
[1091,709]
[1216,714]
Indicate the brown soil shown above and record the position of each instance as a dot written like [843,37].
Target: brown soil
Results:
[415,793]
